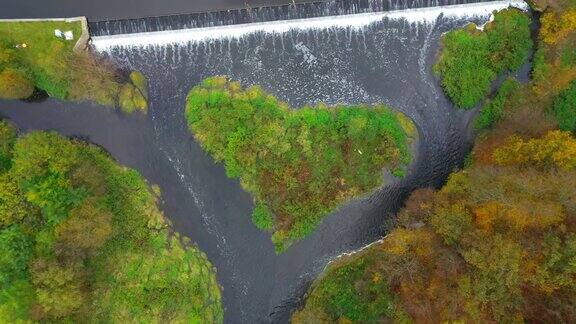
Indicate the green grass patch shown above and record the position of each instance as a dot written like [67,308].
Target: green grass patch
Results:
[82,240]
[471,59]
[301,164]
[32,56]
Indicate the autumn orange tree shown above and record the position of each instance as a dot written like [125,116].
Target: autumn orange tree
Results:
[496,243]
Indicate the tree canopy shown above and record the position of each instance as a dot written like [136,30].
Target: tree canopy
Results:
[471,59]
[82,239]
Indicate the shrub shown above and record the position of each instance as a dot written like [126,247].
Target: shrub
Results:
[262,218]
[130,99]
[14,84]
[140,82]
[93,79]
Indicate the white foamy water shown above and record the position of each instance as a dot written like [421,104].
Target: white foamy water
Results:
[355,21]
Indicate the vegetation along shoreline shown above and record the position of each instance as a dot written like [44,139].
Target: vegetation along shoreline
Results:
[40,57]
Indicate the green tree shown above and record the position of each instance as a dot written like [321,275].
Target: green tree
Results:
[471,59]
[565,108]
[7,139]
[15,252]
[59,289]
[262,218]
[12,204]
[85,231]
[493,110]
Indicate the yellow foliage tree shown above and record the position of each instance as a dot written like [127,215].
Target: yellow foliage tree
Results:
[556,149]
[555,28]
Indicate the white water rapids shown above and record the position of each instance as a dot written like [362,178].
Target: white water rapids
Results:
[355,21]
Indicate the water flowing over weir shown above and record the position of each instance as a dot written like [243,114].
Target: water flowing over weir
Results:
[261,14]
[368,57]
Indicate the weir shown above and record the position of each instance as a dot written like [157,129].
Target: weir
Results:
[353,21]
[261,14]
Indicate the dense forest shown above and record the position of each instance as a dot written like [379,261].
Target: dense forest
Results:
[82,240]
[34,61]
[498,241]
[299,164]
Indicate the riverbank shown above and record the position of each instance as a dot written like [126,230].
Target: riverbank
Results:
[50,57]
[81,43]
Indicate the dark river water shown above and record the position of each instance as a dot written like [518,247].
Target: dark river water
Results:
[118,9]
[387,61]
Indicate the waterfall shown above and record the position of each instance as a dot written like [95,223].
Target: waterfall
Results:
[349,21]
[260,14]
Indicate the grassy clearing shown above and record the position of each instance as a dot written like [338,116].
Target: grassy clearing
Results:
[50,64]
[299,164]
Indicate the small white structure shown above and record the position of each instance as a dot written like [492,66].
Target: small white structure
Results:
[67,35]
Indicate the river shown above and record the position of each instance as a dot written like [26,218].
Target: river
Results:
[119,9]
[385,60]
